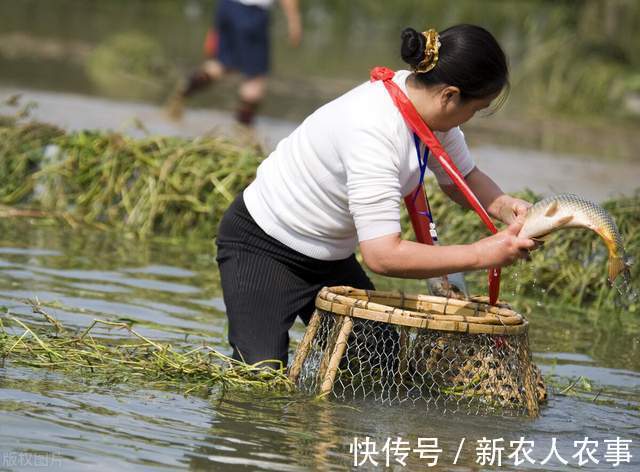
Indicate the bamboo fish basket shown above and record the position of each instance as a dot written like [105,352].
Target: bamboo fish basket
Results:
[448,354]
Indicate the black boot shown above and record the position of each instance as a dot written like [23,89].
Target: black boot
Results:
[199,80]
[246,112]
[196,81]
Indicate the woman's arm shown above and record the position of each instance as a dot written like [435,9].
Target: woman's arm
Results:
[390,255]
[497,203]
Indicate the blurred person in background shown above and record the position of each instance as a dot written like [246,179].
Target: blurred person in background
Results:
[238,41]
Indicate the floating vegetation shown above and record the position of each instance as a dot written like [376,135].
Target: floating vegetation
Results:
[584,389]
[133,359]
[154,185]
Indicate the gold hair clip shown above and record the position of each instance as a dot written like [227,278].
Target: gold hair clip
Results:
[431,49]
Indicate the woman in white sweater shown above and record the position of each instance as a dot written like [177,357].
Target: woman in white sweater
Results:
[338,181]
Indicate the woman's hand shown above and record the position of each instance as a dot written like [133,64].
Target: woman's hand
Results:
[507,208]
[503,248]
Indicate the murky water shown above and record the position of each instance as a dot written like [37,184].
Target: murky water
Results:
[171,292]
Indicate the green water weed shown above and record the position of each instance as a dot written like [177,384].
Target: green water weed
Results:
[134,359]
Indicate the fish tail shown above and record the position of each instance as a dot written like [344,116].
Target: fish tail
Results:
[616,265]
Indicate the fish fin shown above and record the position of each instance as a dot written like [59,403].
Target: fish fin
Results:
[551,209]
[616,265]
[564,220]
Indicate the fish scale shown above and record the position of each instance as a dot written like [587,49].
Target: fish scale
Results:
[571,211]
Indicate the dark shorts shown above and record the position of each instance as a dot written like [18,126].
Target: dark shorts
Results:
[243,37]
[266,285]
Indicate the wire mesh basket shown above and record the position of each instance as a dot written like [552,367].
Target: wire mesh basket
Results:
[448,354]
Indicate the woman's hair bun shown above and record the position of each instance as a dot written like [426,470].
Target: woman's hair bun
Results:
[412,48]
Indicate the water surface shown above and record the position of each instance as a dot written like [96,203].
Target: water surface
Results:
[171,293]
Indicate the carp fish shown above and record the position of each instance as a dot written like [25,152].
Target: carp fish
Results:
[570,211]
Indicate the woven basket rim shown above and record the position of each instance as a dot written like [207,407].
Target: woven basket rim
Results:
[474,316]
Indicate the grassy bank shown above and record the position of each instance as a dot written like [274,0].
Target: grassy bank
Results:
[159,186]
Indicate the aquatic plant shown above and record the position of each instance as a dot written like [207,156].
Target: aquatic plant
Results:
[587,390]
[21,153]
[131,359]
[154,185]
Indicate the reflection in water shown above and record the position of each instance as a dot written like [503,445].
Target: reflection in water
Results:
[170,291]
[299,435]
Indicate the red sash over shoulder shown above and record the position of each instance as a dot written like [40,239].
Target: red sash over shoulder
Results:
[420,128]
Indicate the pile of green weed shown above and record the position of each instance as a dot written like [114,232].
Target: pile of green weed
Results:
[154,185]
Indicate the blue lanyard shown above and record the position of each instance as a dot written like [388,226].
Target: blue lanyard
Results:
[422,162]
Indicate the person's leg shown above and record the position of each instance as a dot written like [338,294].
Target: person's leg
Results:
[214,67]
[266,285]
[251,94]
[262,299]
[351,273]
[328,274]
[210,71]
[262,290]
[253,46]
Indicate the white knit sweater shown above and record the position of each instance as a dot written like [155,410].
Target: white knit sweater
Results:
[339,178]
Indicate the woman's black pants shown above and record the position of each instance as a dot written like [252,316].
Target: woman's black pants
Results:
[266,285]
